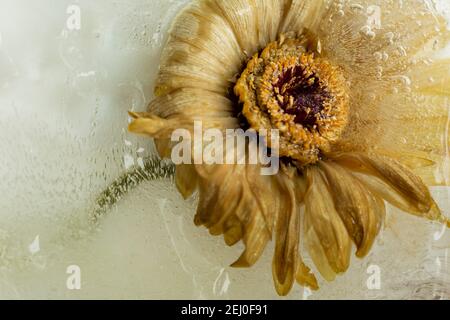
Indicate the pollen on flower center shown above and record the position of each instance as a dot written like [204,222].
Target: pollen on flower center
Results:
[300,94]
[288,88]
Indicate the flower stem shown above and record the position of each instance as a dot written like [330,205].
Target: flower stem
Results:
[153,169]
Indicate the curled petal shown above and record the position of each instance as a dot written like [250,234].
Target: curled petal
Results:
[191,102]
[255,240]
[429,166]
[285,260]
[232,231]
[356,206]
[238,202]
[209,194]
[327,238]
[264,191]
[156,127]
[230,198]
[305,277]
[202,52]
[163,147]
[393,182]
[186,180]
[163,129]
[261,198]
[180,109]
[254,21]
[240,15]
[319,255]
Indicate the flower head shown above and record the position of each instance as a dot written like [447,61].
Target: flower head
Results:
[287,88]
[360,105]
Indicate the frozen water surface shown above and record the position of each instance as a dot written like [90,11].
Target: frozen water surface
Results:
[64,95]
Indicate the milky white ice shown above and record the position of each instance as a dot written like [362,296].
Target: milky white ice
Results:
[65,88]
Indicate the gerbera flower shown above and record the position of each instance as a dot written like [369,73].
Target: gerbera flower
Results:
[360,105]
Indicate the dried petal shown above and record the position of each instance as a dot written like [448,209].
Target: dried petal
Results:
[163,147]
[238,202]
[303,14]
[393,182]
[259,19]
[232,231]
[202,52]
[305,277]
[327,238]
[186,180]
[355,205]
[285,260]
[180,109]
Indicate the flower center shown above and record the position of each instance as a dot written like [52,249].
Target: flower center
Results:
[303,96]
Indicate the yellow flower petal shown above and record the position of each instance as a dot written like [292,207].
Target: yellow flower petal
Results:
[287,265]
[365,36]
[319,255]
[303,14]
[268,14]
[163,147]
[179,110]
[411,128]
[285,260]
[259,18]
[232,231]
[305,277]
[241,16]
[356,206]
[195,103]
[433,78]
[327,238]
[186,180]
[394,182]
[255,239]
[154,126]
[432,168]
[201,52]
[238,202]
[384,49]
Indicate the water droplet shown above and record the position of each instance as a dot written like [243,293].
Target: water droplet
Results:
[356,6]
[368,32]
[405,80]
[222,283]
[390,37]
[34,247]
[140,163]
[378,56]
[402,51]
[128,161]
